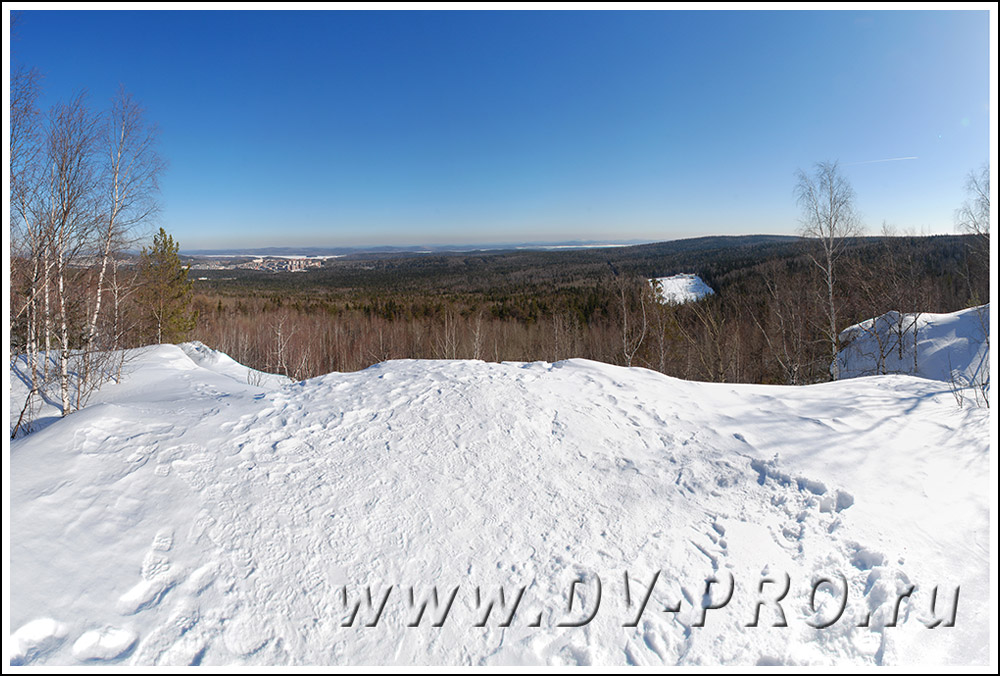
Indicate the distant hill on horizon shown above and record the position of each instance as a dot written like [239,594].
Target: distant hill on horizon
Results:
[461,248]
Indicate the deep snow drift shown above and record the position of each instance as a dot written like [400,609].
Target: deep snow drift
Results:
[951,347]
[678,289]
[187,516]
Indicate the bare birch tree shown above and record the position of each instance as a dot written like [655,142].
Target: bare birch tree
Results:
[26,237]
[71,215]
[974,215]
[710,344]
[829,218]
[782,324]
[131,181]
[634,332]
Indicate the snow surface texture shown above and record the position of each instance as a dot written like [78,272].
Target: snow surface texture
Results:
[680,289]
[953,347]
[189,517]
[200,358]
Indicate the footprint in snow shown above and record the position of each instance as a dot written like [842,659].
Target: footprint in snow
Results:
[177,641]
[35,639]
[159,576]
[163,540]
[145,594]
[103,644]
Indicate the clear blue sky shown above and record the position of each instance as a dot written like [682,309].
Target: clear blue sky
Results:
[390,127]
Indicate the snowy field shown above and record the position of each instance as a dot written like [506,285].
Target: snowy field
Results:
[194,515]
[678,289]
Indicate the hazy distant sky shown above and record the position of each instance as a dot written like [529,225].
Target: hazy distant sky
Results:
[393,127]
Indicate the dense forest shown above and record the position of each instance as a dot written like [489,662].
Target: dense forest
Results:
[763,325]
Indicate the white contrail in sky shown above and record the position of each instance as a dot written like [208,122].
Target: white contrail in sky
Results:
[891,159]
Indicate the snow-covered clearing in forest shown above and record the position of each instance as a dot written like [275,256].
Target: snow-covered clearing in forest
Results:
[679,289]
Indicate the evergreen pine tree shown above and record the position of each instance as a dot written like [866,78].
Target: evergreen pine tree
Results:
[165,292]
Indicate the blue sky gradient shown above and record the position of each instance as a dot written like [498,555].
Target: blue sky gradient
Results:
[391,127]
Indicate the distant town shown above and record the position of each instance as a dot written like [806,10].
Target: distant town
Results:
[287,259]
[263,263]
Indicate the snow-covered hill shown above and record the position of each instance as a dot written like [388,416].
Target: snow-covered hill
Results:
[197,361]
[684,288]
[951,347]
[191,517]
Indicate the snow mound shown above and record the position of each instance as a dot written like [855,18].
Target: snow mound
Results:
[204,369]
[678,289]
[951,347]
[462,512]
[220,362]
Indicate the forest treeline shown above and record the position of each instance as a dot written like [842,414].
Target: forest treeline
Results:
[763,325]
